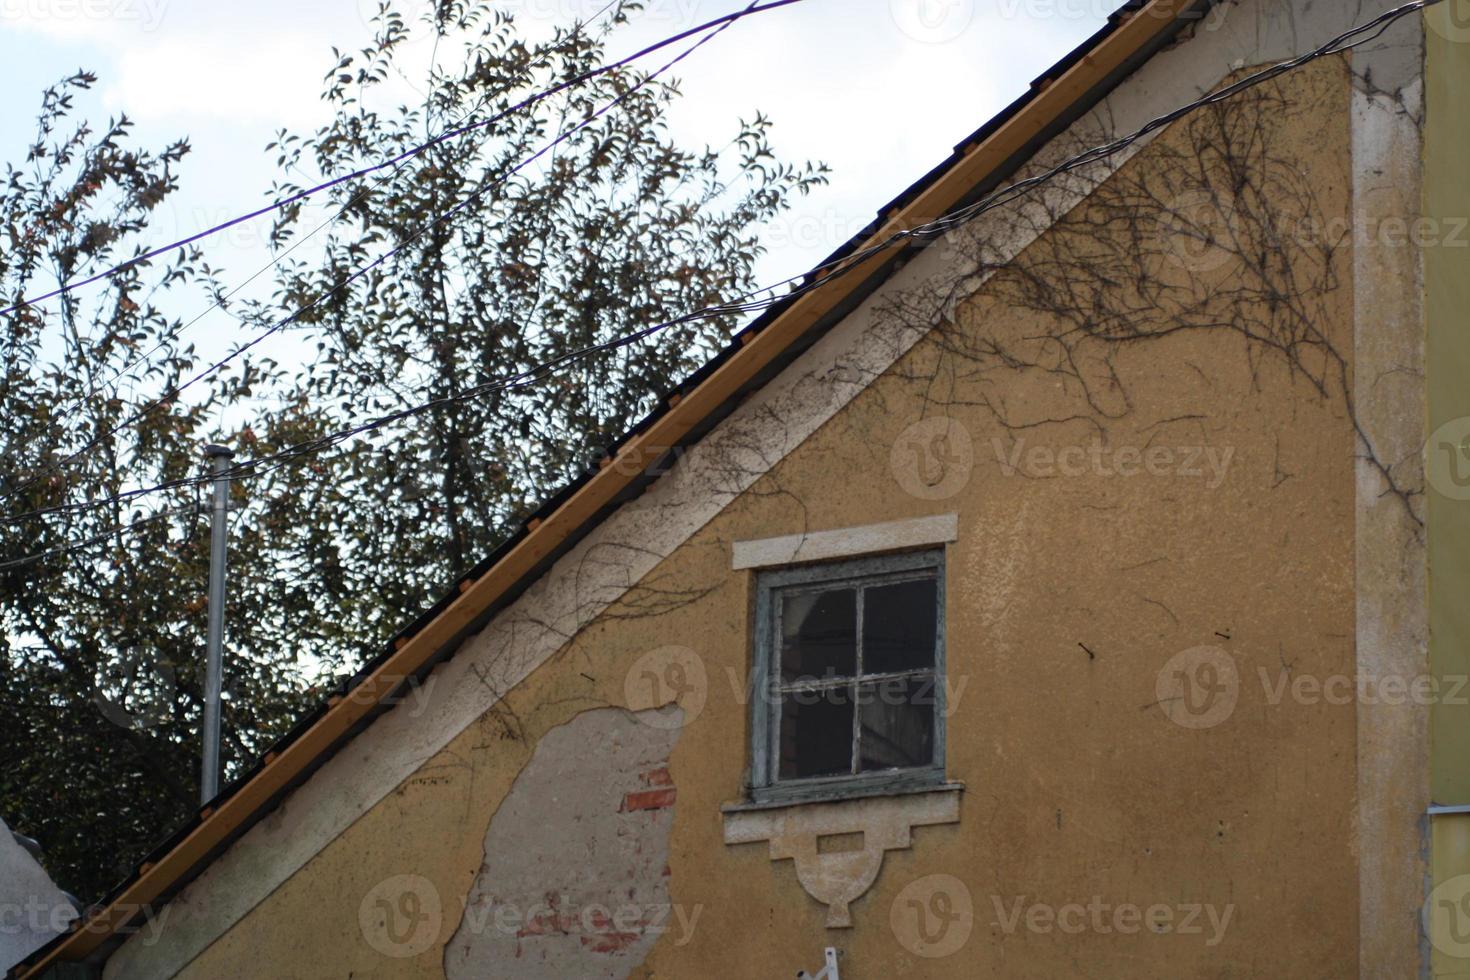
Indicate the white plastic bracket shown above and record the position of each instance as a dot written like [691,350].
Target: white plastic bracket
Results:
[829,972]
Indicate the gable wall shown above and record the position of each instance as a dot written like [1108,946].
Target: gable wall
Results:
[1078,783]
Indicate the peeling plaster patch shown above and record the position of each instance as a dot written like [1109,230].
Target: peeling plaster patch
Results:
[575,877]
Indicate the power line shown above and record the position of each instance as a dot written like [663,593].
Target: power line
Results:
[721,22]
[1361,34]
[812,279]
[1355,36]
[173,393]
[95,539]
[250,468]
[276,260]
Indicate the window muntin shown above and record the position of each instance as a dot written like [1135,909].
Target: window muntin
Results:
[850,659]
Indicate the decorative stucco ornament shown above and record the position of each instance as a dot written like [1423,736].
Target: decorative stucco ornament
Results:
[837,879]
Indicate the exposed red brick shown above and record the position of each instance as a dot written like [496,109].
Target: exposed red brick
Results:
[650,799]
[658,777]
[610,942]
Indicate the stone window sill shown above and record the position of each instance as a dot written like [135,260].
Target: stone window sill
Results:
[840,795]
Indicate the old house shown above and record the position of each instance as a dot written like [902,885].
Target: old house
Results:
[1073,589]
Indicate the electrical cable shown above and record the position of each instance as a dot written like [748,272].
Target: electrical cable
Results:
[96,539]
[352,202]
[174,392]
[724,21]
[1350,39]
[813,280]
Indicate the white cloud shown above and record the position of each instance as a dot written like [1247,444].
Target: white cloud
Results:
[275,79]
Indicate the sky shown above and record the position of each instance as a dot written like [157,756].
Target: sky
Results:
[878,89]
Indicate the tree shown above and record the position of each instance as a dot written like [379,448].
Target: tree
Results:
[617,229]
[101,670]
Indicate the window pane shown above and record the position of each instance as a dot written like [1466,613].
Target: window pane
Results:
[816,733]
[898,627]
[819,635]
[897,723]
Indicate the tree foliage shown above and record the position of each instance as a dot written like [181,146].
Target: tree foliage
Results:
[615,229]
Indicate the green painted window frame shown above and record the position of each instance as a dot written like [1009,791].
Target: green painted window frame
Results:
[765,784]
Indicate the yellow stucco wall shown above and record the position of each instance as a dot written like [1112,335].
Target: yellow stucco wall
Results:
[1447,341]
[1447,298]
[1079,787]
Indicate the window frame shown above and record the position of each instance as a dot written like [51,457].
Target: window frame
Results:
[766,786]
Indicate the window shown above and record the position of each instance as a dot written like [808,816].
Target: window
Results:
[850,666]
